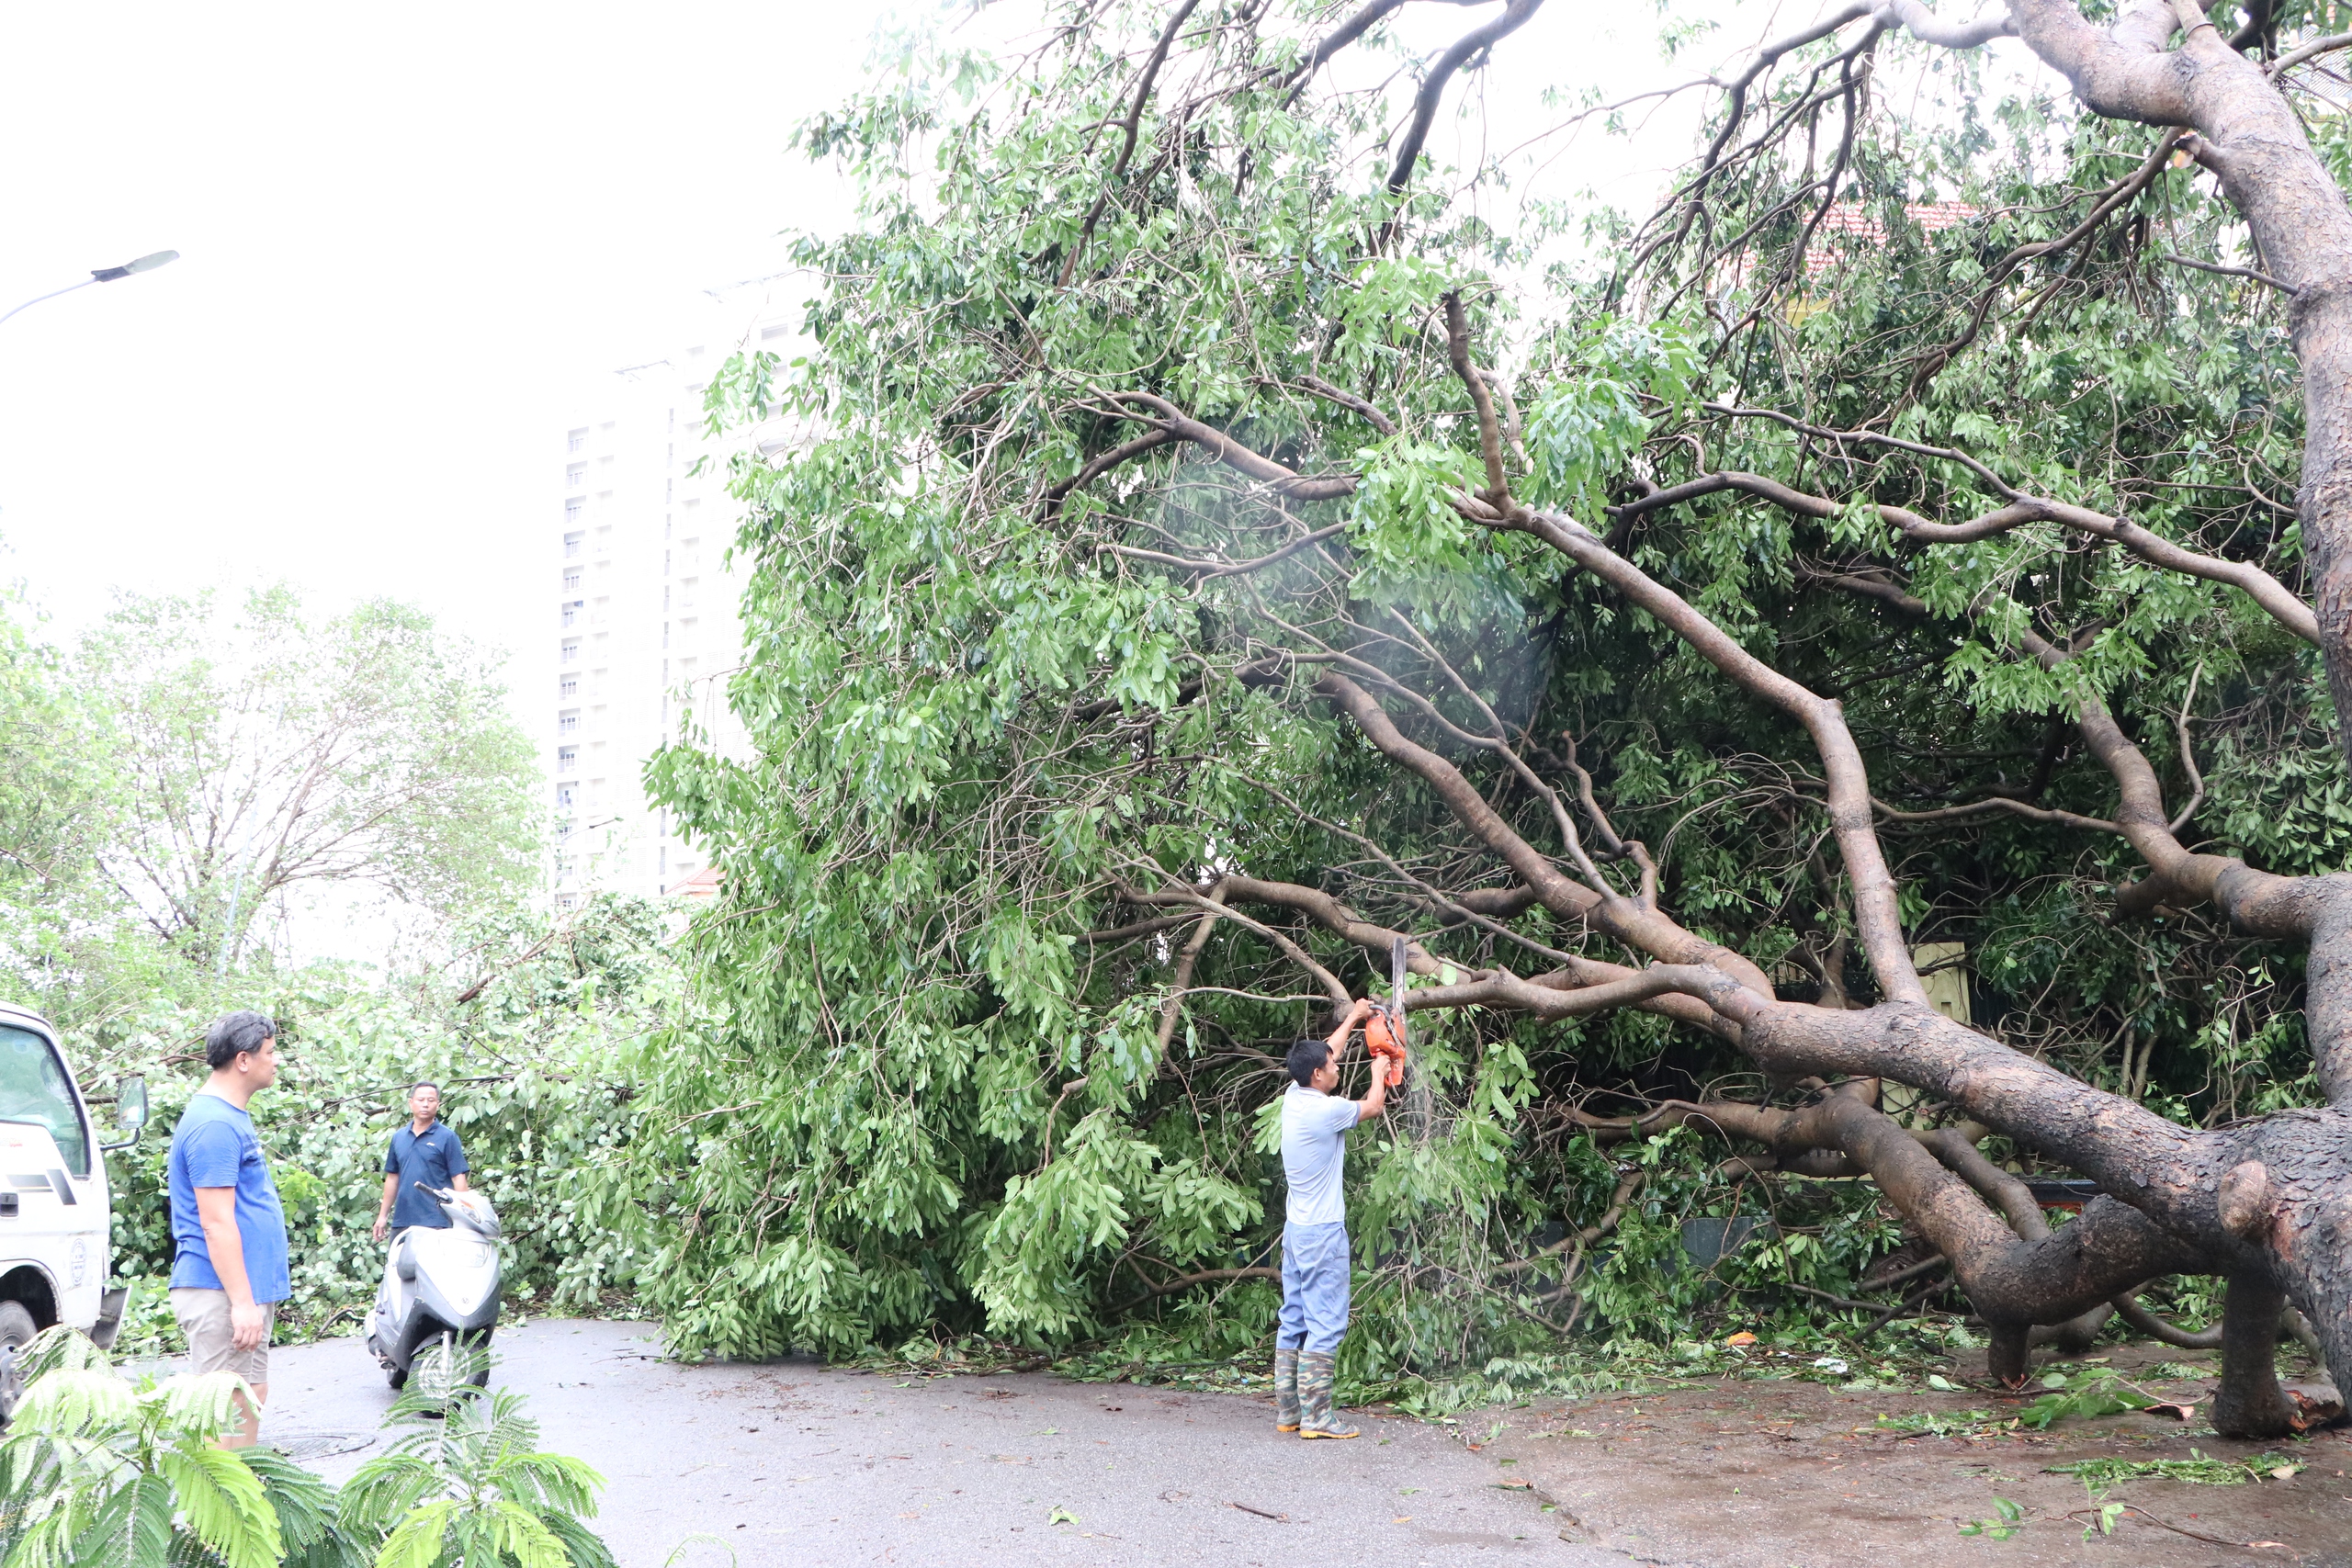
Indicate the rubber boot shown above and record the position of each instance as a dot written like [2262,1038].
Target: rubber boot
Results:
[1285,1391]
[1315,1379]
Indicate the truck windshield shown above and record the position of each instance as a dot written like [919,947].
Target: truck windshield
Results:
[35,1090]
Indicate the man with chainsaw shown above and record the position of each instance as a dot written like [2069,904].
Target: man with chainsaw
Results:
[1315,1232]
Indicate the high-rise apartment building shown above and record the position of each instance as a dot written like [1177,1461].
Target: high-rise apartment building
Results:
[645,621]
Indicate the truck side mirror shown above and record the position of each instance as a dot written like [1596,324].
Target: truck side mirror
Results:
[131,1105]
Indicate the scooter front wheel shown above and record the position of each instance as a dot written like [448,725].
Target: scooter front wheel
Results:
[438,1369]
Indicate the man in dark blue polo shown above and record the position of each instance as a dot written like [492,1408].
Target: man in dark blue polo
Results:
[424,1153]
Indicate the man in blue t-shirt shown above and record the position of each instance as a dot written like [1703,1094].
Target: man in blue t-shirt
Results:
[229,1268]
[1315,1229]
[424,1153]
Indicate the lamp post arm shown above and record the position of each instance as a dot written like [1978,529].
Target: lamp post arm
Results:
[51,295]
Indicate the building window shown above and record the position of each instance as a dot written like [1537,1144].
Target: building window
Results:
[572,543]
[573,505]
[568,687]
[572,608]
[568,723]
[567,758]
[577,440]
[570,581]
[565,793]
[665,634]
[572,650]
[575,476]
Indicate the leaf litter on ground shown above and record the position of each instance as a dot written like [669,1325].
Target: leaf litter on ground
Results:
[2199,1469]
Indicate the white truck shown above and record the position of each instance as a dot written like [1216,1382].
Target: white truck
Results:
[56,1210]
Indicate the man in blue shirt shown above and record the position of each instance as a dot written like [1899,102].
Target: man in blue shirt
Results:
[424,1153]
[229,1268]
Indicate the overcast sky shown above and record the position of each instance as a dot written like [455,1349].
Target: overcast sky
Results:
[409,237]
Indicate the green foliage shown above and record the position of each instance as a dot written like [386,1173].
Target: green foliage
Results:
[95,1470]
[2007,1518]
[99,1473]
[2199,1469]
[474,1488]
[2091,1391]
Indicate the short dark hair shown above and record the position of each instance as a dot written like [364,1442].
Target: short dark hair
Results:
[421,1083]
[1306,1059]
[235,1034]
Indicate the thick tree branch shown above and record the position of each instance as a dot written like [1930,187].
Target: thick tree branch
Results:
[1877,912]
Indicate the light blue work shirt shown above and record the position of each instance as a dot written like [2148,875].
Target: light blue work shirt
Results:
[1315,1154]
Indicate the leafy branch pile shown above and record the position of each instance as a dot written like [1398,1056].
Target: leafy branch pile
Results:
[535,1069]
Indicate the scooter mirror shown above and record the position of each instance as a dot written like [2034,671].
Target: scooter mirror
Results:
[130,1104]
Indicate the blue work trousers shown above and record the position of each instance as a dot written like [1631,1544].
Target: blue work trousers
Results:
[1315,1288]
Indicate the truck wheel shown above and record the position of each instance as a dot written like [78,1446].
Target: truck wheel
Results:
[17,1330]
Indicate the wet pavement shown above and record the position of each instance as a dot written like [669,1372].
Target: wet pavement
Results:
[797,1462]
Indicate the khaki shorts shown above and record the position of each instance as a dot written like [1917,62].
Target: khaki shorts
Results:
[211,1339]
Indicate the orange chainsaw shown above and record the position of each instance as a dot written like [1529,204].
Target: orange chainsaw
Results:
[1384,1032]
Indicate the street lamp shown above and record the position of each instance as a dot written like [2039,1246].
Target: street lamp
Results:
[104,274]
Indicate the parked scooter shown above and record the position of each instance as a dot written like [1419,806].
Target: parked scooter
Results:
[440,1299]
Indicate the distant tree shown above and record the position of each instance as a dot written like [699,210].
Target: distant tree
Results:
[60,798]
[263,752]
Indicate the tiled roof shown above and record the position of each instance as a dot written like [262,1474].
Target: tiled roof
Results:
[703,883]
[1850,226]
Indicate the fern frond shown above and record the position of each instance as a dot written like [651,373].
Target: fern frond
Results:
[201,1404]
[388,1486]
[522,1535]
[304,1504]
[224,1502]
[417,1542]
[556,1480]
[78,1402]
[132,1529]
[586,1547]
[58,1349]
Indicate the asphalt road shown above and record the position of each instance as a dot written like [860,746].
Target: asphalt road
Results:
[797,1462]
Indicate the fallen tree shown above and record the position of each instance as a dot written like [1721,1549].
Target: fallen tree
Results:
[1229,546]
